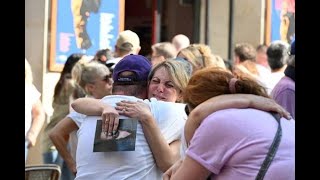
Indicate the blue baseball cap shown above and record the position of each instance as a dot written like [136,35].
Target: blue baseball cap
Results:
[137,64]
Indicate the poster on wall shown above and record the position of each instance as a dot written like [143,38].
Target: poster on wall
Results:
[283,20]
[83,26]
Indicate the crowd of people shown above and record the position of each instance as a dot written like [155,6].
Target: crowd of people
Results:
[198,117]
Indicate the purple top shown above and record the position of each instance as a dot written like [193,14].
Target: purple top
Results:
[284,94]
[233,143]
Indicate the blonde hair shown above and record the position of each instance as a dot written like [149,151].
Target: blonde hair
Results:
[200,56]
[84,73]
[176,71]
[28,72]
[165,49]
[77,69]
[217,61]
[91,71]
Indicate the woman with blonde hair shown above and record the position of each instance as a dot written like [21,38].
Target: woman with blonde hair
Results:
[95,79]
[63,89]
[200,56]
[165,77]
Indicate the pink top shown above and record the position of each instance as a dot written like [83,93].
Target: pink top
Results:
[233,143]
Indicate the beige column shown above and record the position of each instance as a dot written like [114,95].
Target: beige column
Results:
[249,22]
[36,50]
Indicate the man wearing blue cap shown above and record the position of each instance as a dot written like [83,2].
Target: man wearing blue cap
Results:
[130,83]
[284,91]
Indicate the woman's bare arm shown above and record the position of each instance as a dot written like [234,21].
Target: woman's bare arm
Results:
[38,119]
[59,136]
[164,154]
[88,106]
[94,107]
[188,169]
[229,101]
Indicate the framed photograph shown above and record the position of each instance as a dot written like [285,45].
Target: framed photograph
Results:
[280,20]
[124,139]
[83,26]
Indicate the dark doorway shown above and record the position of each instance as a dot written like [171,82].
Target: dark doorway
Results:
[169,18]
[138,18]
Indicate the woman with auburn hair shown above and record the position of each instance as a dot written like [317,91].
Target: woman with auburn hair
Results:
[234,143]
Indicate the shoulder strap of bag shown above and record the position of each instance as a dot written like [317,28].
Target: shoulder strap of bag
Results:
[272,150]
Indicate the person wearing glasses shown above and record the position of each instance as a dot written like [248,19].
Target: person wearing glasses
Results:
[61,103]
[95,79]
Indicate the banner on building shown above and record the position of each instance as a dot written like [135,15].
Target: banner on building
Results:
[281,25]
[83,26]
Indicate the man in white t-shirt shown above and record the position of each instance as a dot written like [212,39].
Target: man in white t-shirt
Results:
[130,83]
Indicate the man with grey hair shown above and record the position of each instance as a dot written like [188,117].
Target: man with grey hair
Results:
[284,91]
[180,41]
[278,53]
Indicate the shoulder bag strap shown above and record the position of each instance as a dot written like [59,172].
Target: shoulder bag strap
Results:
[272,150]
